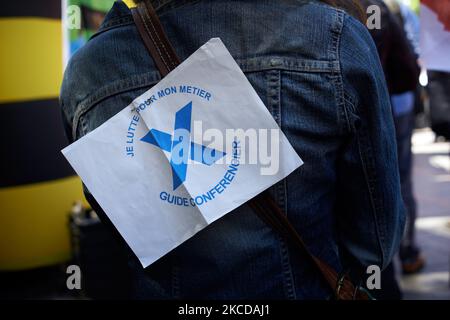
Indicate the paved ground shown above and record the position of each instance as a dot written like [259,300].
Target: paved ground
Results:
[432,189]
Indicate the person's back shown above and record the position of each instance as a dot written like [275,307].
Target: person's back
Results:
[317,71]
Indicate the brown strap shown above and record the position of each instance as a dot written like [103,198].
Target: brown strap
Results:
[166,60]
[154,37]
[270,212]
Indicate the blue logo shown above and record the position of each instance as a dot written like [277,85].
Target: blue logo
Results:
[181,147]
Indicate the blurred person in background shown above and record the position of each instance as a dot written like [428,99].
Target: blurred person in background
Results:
[439,95]
[404,116]
[317,70]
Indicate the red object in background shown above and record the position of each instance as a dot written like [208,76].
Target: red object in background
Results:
[442,9]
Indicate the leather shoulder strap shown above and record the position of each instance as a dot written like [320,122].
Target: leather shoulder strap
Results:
[270,212]
[154,37]
[165,58]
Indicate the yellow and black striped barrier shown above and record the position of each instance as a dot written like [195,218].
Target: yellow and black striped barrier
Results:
[37,186]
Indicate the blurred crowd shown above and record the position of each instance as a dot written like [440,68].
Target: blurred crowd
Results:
[415,94]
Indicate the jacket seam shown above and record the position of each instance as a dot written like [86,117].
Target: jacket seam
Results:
[365,155]
[269,62]
[336,77]
[273,79]
[255,64]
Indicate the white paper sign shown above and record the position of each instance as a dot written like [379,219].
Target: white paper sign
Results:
[186,152]
[435,35]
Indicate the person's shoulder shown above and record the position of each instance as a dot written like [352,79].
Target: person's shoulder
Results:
[343,24]
[335,18]
[322,12]
[355,34]
[74,81]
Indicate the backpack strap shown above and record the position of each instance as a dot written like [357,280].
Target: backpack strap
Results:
[165,58]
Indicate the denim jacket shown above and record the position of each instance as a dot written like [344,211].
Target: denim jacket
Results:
[318,73]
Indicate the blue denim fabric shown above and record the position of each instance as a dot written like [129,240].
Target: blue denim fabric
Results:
[403,104]
[317,71]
